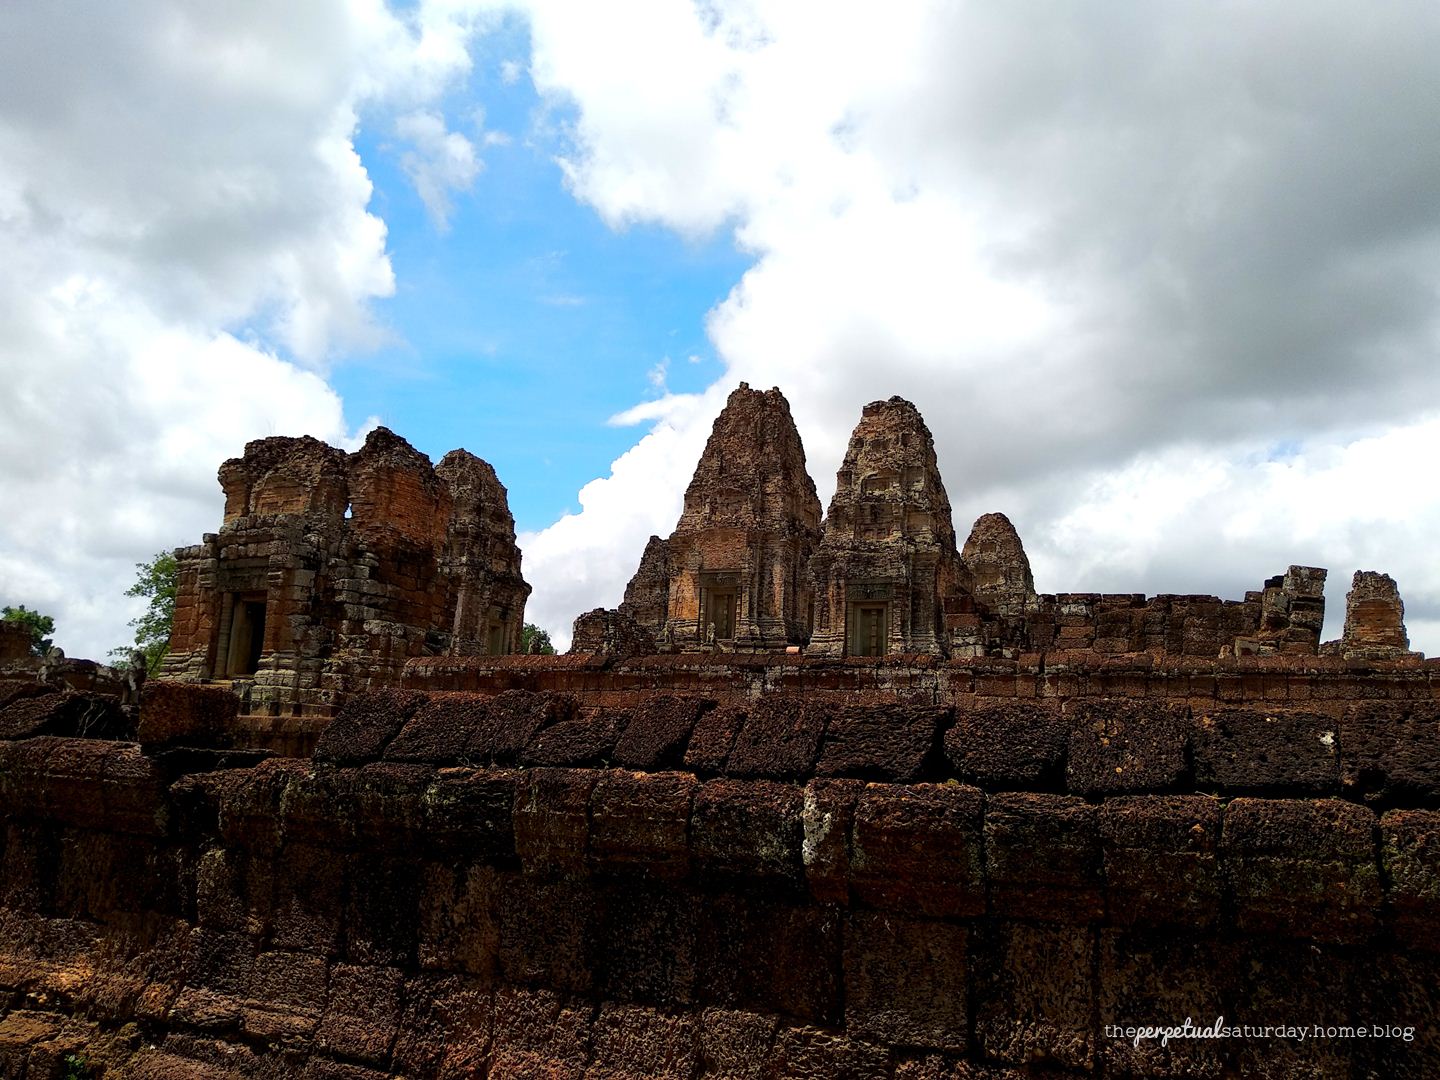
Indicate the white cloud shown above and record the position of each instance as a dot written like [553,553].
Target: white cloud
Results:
[1113,255]
[187,244]
[439,162]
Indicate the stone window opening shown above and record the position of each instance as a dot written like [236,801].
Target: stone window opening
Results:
[244,641]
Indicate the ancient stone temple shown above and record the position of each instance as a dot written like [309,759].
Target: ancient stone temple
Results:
[1374,620]
[332,569]
[888,560]
[732,574]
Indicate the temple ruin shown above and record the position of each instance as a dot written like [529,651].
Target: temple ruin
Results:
[887,562]
[330,570]
[733,571]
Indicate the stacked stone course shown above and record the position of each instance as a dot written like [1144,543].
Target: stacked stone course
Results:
[861,874]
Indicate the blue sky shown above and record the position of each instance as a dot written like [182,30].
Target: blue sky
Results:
[1164,293]
[529,314]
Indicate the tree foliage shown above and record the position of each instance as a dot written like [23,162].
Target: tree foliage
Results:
[532,634]
[40,626]
[156,581]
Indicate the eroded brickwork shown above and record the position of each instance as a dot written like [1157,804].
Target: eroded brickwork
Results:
[1374,619]
[332,569]
[887,563]
[899,870]
[732,575]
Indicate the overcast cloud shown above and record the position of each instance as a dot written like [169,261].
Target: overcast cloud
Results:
[1162,278]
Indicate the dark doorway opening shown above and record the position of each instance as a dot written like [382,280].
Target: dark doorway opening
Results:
[247,637]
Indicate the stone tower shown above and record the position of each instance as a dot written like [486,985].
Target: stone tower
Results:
[733,571]
[331,570]
[888,560]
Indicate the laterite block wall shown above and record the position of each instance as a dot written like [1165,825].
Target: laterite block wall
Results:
[902,876]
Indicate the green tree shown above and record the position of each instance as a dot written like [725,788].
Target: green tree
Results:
[531,633]
[40,626]
[156,581]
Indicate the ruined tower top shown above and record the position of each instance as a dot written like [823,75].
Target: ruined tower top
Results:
[1000,570]
[888,486]
[752,473]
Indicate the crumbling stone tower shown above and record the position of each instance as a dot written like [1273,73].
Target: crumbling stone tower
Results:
[887,562]
[330,570]
[733,571]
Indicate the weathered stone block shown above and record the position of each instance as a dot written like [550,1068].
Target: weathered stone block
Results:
[827,816]
[1259,751]
[173,712]
[736,1045]
[1410,853]
[1390,752]
[918,849]
[362,1013]
[748,829]
[635,1043]
[779,740]
[1043,857]
[587,739]
[760,950]
[656,732]
[1305,868]
[642,819]
[538,1033]
[365,725]
[646,943]
[1126,746]
[805,1053]
[881,742]
[714,737]
[1009,745]
[905,981]
[552,818]
[1159,979]
[1160,859]
[1034,994]
[548,928]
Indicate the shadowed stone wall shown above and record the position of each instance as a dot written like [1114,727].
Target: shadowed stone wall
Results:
[893,870]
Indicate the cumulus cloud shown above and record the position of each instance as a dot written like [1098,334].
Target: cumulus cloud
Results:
[438,162]
[1117,257]
[187,244]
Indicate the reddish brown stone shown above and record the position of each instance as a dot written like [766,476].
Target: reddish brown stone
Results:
[366,725]
[779,740]
[1034,994]
[1390,751]
[736,561]
[887,561]
[1009,745]
[1043,858]
[1121,746]
[552,818]
[905,981]
[881,742]
[362,1014]
[656,732]
[642,819]
[1306,868]
[919,849]
[177,712]
[736,1045]
[331,570]
[828,816]
[587,738]
[1410,853]
[1241,751]
[636,1043]
[1160,859]
[748,829]
[714,736]
[813,1054]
